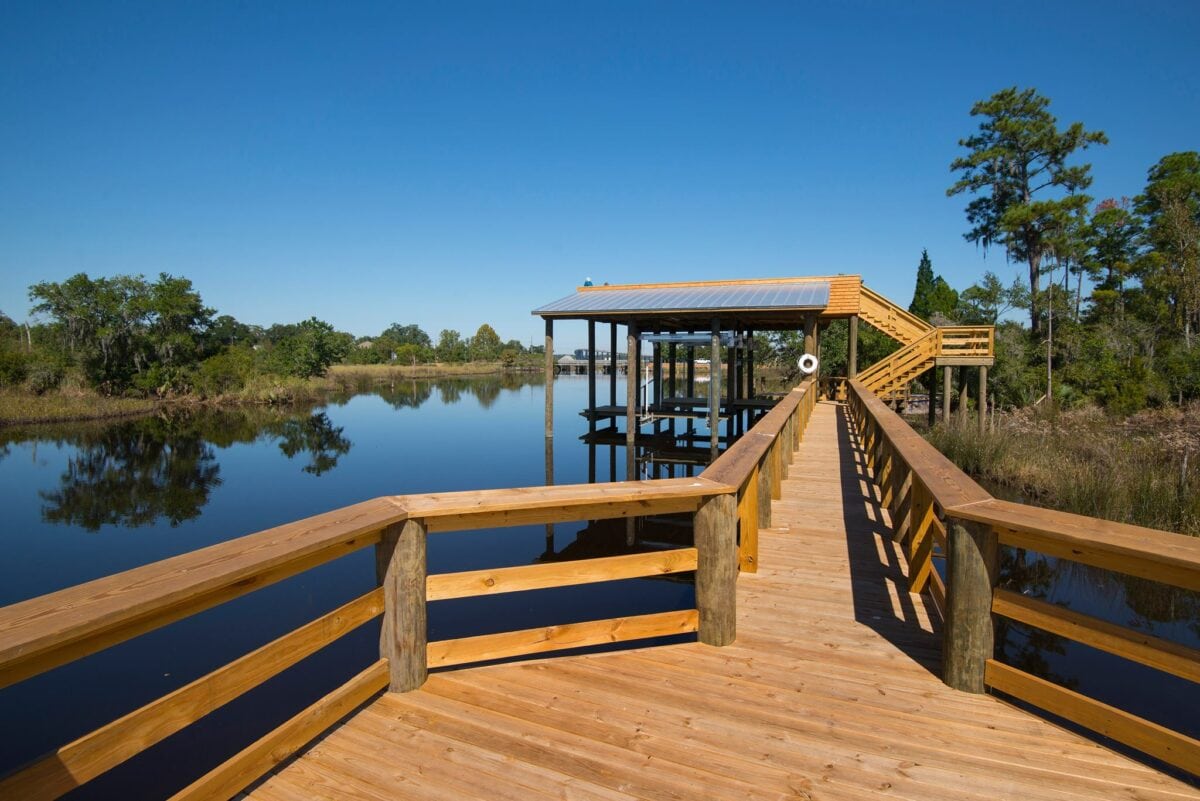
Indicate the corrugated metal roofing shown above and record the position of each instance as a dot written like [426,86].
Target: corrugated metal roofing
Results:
[806,295]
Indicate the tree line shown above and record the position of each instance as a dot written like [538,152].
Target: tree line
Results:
[134,336]
[1112,287]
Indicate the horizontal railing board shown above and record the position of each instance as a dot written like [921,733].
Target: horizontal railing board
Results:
[529,505]
[1149,553]
[948,484]
[94,753]
[471,583]
[251,763]
[1178,660]
[114,608]
[1150,738]
[486,647]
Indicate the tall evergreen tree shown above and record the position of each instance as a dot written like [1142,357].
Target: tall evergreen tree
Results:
[1017,154]
[1171,207]
[920,301]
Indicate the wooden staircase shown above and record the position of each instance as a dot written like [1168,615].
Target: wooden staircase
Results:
[923,345]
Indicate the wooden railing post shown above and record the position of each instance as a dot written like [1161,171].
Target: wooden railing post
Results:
[763,476]
[748,524]
[972,570]
[403,638]
[717,569]
[783,443]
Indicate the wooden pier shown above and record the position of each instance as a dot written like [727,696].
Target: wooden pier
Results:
[841,644]
[831,691]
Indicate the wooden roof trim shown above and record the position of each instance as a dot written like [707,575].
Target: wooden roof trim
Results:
[728,282]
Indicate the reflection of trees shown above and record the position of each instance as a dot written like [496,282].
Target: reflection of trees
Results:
[410,395]
[131,474]
[1026,647]
[315,436]
[449,391]
[1154,603]
[486,391]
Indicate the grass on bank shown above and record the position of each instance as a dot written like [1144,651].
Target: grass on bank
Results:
[65,405]
[72,401]
[1141,470]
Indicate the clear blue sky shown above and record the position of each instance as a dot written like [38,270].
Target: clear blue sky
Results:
[454,164]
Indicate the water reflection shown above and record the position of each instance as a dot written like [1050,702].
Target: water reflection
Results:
[134,473]
[315,436]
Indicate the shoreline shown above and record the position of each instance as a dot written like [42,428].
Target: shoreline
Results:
[78,406]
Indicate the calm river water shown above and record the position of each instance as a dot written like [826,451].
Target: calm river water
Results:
[85,500]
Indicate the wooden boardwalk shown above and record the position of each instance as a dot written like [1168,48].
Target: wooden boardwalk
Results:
[830,692]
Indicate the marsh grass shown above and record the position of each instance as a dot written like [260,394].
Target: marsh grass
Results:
[25,407]
[1142,470]
[72,401]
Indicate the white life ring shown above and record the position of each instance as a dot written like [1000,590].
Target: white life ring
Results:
[807,364]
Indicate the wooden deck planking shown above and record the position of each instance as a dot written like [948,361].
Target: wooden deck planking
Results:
[829,692]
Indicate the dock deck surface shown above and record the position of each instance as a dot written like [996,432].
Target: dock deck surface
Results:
[830,692]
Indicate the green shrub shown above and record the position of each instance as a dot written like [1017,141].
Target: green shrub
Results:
[14,367]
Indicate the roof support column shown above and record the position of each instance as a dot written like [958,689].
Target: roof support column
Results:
[632,379]
[852,357]
[750,365]
[591,368]
[612,370]
[810,333]
[549,377]
[714,389]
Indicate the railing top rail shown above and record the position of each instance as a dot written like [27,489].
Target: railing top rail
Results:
[1151,553]
[1148,552]
[49,630]
[198,579]
[901,313]
[949,485]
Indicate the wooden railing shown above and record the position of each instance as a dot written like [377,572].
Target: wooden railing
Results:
[898,323]
[730,501]
[895,372]
[937,509]
[967,341]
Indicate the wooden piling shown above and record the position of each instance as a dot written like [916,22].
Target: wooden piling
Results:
[633,375]
[403,637]
[972,571]
[714,390]
[717,569]
[947,377]
[612,370]
[983,398]
[549,377]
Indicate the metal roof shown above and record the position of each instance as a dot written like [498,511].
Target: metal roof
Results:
[722,297]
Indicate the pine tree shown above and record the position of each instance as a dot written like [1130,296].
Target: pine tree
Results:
[925,282]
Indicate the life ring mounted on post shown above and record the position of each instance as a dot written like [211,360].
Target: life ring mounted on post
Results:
[807,364]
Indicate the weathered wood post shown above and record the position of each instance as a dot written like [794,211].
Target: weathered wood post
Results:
[962,395]
[764,490]
[591,368]
[983,398]
[972,571]
[932,396]
[947,394]
[717,569]
[401,563]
